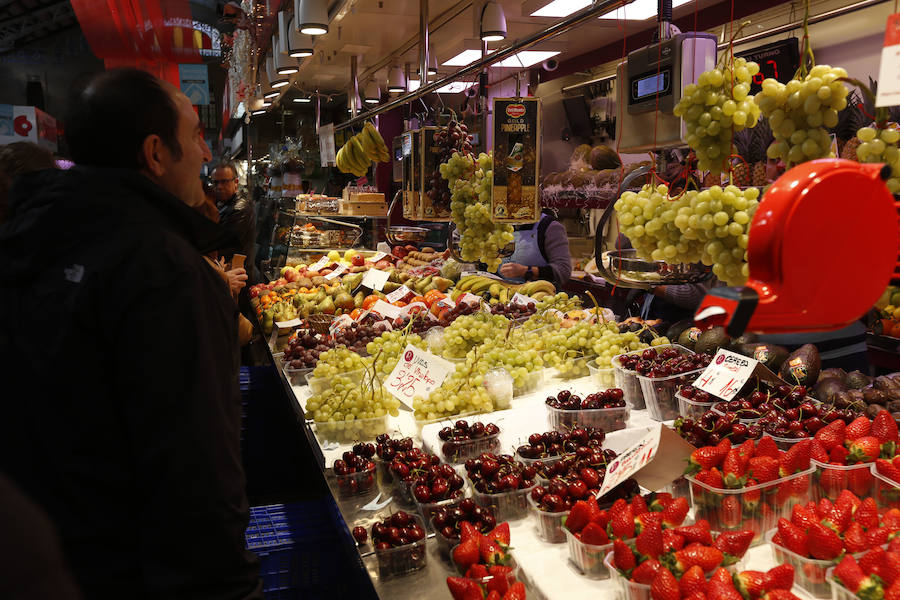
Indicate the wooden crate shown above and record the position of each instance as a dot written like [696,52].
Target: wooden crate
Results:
[364,209]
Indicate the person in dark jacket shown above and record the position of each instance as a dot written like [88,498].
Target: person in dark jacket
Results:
[119,354]
[235,212]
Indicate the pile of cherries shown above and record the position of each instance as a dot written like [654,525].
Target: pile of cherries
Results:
[556,443]
[398,529]
[566,400]
[386,448]
[446,521]
[407,467]
[457,440]
[663,363]
[571,465]
[493,474]
[758,398]
[437,483]
[514,311]
[355,470]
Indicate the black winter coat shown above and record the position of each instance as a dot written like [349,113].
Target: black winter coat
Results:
[121,406]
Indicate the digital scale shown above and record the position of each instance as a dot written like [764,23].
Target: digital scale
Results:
[649,85]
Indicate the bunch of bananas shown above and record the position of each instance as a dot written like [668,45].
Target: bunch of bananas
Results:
[360,150]
[501,291]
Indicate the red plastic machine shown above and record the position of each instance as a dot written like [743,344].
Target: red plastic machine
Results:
[823,245]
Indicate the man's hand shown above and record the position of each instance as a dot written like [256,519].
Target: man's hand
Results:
[513,270]
[237,279]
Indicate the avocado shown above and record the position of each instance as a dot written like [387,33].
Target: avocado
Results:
[747,338]
[770,355]
[689,337]
[802,366]
[711,340]
[676,328]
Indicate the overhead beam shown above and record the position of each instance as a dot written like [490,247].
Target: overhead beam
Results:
[15,29]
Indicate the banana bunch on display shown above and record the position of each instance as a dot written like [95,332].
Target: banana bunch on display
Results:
[357,154]
[501,291]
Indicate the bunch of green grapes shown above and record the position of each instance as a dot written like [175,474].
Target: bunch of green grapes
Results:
[462,392]
[800,110]
[470,207]
[648,220]
[387,347]
[469,331]
[879,145]
[716,107]
[569,349]
[519,353]
[611,343]
[349,399]
[338,360]
[559,301]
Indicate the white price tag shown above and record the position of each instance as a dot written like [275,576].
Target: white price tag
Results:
[446,302]
[319,264]
[889,73]
[415,307]
[288,324]
[377,256]
[375,279]
[726,374]
[386,310]
[522,300]
[631,461]
[399,294]
[471,299]
[337,272]
[340,323]
[417,373]
[362,316]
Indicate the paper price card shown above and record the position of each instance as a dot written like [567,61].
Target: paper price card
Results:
[386,310]
[471,299]
[446,303]
[726,374]
[337,272]
[288,324]
[377,256]
[340,323]
[399,294]
[655,461]
[375,279]
[319,264]
[521,300]
[631,461]
[417,373]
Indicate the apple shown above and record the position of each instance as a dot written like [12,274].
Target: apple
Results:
[349,254]
[334,256]
[357,260]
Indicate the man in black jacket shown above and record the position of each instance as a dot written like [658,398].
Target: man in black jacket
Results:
[119,355]
[235,213]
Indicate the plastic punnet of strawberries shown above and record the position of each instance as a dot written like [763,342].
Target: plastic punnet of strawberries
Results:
[623,520]
[873,576]
[861,442]
[488,568]
[887,488]
[748,486]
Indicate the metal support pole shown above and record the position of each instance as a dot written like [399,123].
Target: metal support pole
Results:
[354,86]
[423,42]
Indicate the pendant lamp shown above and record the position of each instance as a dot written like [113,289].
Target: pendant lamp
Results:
[373,93]
[284,64]
[311,16]
[396,80]
[493,22]
[299,46]
[275,80]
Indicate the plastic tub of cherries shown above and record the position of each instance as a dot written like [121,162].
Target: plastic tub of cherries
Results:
[355,471]
[502,484]
[463,441]
[604,410]
[399,541]
[439,486]
[692,402]
[386,448]
[404,468]
[445,522]
[663,374]
[550,446]
[570,465]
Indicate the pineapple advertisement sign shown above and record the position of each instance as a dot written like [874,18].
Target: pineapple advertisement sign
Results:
[515,192]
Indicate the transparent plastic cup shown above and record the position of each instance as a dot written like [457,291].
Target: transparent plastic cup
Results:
[627,379]
[296,377]
[507,506]
[460,451]
[402,560]
[830,480]
[885,491]
[784,443]
[346,432]
[575,369]
[838,591]
[810,574]
[427,509]
[356,484]
[317,385]
[691,409]
[607,419]
[588,558]
[659,393]
[549,524]
[605,377]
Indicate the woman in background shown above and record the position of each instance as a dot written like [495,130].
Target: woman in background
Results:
[542,252]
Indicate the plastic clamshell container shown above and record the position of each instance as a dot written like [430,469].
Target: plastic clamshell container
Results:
[383,470]
[659,393]
[545,461]
[507,506]
[449,420]
[296,377]
[603,377]
[405,559]
[631,590]
[810,574]
[785,443]
[885,491]
[627,380]
[756,507]
[532,381]
[829,480]
[317,385]
[691,409]
[356,484]
[428,509]
[577,368]
[549,524]
[588,558]
[461,451]
[346,432]
[838,591]
[607,419]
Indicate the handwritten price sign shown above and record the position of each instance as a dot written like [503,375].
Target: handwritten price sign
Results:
[417,373]
[726,374]
[631,461]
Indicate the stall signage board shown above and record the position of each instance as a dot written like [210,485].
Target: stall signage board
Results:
[889,73]
[327,148]
[374,279]
[726,374]
[432,207]
[778,60]
[417,373]
[655,461]
[515,195]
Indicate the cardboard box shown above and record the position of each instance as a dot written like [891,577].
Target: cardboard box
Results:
[515,195]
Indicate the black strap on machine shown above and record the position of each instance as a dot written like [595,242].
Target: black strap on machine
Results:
[542,232]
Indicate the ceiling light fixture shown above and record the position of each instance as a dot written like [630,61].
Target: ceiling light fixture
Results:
[372,94]
[267,90]
[493,22]
[561,8]
[256,107]
[639,10]
[466,57]
[284,64]
[298,47]
[524,59]
[302,99]
[311,16]
[396,80]
[274,79]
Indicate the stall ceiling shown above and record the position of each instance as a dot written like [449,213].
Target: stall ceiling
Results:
[25,21]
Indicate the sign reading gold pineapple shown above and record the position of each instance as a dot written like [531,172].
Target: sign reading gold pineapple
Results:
[517,160]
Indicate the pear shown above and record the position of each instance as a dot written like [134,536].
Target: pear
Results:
[344,300]
[358,299]
[320,296]
[306,309]
[326,306]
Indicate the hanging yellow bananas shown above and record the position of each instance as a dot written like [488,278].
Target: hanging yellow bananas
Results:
[360,150]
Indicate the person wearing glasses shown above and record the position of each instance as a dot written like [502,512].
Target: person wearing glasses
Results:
[235,213]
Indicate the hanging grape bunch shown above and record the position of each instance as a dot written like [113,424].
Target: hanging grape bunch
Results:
[877,142]
[715,108]
[452,138]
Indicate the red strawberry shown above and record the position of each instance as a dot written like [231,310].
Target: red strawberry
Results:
[658,501]
[832,481]
[824,543]
[499,581]
[671,540]
[621,520]
[838,455]
[793,538]
[859,427]
[623,557]
[477,571]
[887,469]
[649,542]
[751,584]
[851,577]
[674,514]
[639,506]
[832,435]
[721,587]
[693,581]
[646,571]
[893,592]
[578,517]
[848,498]
[763,468]
[867,513]
[864,449]
[707,457]
[462,588]
[594,535]
[665,586]
[779,595]
[817,451]
[494,595]
[855,538]
[734,544]
[884,427]
[890,570]
[878,536]
[466,554]
[734,469]
[468,531]
[500,533]
[802,517]
[839,517]
[894,545]
[796,458]
[492,552]
[766,447]
[730,511]
[706,557]
[712,478]
[780,577]
[751,497]
[516,592]
[891,519]
[648,519]
[872,561]
[698,532]
[859,481]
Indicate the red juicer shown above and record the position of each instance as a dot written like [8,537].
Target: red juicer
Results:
[823,246]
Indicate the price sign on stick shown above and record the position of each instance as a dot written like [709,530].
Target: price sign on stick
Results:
[375,279]
[417,373]
[319,264]
[521,300]
[399,294]
[654,461]
[386,310]
[726,374]
[337,272]
[377,256]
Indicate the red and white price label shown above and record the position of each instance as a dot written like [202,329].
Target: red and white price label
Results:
[631,461]
[446,303]
[521,300]
[386,310]
[340,323]
[470,299]
[399,294]
[288,324]
[337,272]
[377,256]
[319,264]
[417,373]
[726,374]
